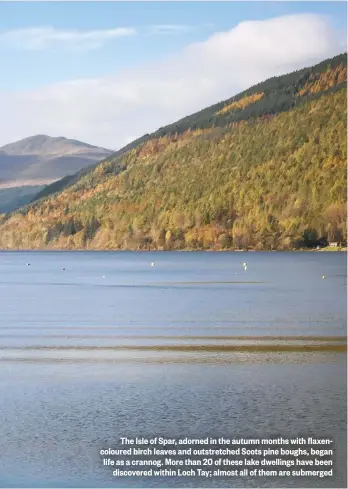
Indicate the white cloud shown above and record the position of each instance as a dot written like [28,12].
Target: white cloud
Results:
[38,38]
[107,111]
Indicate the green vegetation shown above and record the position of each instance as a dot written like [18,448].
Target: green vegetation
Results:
[264,170]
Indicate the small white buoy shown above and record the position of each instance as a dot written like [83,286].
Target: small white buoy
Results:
[28,264]
[153,264]
[323,276]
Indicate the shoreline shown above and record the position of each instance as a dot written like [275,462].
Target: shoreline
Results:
[302,250]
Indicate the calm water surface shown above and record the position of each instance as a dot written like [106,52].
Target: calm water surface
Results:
[95,346]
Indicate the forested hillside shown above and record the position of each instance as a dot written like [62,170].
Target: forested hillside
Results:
[273,96]
[265,169]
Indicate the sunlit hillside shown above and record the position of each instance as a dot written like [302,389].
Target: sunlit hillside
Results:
[265,169]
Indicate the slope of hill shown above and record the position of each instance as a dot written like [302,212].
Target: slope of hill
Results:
[265,169]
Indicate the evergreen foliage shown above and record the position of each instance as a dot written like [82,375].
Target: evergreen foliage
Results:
[264,170]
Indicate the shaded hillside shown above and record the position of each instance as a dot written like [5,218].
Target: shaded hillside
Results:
[15,197]
[269,176]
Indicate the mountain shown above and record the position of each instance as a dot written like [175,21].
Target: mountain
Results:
[42,159]
[265,169]
[26,166]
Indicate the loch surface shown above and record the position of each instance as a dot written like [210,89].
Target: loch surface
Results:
[99,345]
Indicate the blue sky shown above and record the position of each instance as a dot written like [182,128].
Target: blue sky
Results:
[130,67]
[23,68]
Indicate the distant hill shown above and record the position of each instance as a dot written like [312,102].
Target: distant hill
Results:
[43,159]
[265,169]
[26,166]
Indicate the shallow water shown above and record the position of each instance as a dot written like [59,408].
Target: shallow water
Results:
[194,346]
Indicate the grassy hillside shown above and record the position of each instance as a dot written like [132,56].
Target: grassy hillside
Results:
[265,169]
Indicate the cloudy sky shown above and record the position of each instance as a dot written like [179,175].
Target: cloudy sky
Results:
[106,73]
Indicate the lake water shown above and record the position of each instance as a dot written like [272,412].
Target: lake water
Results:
[99,345]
